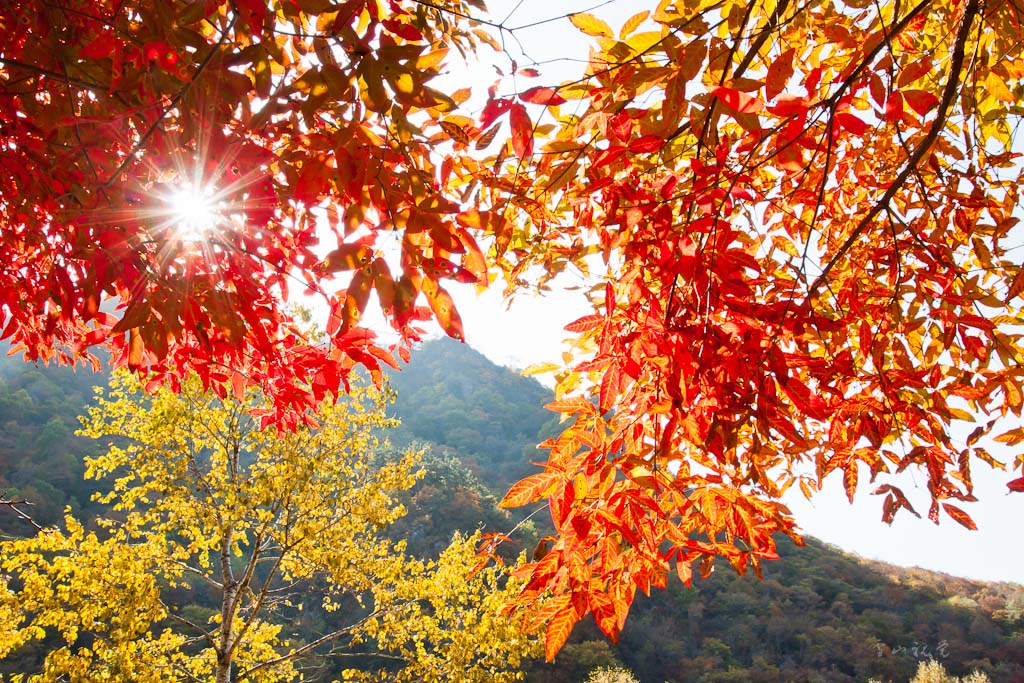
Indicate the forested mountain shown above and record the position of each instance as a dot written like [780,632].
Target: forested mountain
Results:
[492,417]
[40,457]
[819,615]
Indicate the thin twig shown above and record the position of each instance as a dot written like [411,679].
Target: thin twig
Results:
[12,505]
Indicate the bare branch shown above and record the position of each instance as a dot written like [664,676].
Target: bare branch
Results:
[12,505]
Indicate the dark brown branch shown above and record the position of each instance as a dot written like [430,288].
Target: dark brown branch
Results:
[12,505]
[39,71]
[312,645]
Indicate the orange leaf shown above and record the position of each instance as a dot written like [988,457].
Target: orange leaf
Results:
[586,323]
[443,306]
[960,516]
[238,382]
[558,632]
[135,349]
[528,490]
[572,405]
[996,87]
[604,614]
[1016,287]
[684,569]
[487,138]
[609,388]
[383,283]
[358,294]
[455,132]
[779,73]
[914,71]
[850,479]
[1012,437]
[347,257]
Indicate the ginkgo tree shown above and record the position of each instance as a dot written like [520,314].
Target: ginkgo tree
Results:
[206,503]
[797,222]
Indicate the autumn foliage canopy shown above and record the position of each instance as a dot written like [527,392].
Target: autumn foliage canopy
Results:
[798,222]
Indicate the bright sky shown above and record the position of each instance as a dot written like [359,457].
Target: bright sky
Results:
[531,331]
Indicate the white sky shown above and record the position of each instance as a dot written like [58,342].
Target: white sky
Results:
[531,331]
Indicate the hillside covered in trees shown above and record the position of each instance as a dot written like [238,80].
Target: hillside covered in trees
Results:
[819,615]
[492,417]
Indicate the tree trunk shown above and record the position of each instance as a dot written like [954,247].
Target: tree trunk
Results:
[229,599]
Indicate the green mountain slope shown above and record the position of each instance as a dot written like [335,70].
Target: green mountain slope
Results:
[492,417]
[40,457]
[822,615]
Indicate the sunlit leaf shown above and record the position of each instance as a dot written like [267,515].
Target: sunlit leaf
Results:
[591,25]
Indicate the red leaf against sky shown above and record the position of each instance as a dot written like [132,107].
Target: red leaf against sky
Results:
[522,131]
[960,516]
[738,101]
[542,95]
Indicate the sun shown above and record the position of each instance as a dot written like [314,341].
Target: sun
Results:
[194,212]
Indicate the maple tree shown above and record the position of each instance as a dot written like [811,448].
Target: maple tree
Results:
[203,500]
[807,218]
[798,221]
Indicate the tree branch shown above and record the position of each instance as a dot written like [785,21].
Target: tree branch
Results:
[39,71]
[12,505]
[144,138]
[206,635]
[948,94]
